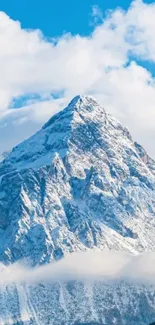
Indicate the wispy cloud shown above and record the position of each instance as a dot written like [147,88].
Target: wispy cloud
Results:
[96,15]
[87,266]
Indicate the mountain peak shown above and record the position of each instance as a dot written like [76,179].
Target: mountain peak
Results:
[82,99]
[83,103]
[83,125]
[77,182]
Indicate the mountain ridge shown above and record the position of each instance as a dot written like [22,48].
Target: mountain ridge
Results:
[79,108]
[80,183]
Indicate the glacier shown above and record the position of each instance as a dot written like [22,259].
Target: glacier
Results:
[80,183]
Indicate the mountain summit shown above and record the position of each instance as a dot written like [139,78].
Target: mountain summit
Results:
[73,129]
[78,183]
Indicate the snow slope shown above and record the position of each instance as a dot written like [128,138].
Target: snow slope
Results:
[79,183]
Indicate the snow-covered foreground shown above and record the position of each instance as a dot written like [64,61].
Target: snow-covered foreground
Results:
[76,302]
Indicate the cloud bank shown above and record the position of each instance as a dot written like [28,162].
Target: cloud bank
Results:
[87,266]
[109,64]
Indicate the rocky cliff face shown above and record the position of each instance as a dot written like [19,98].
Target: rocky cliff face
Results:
[79,183]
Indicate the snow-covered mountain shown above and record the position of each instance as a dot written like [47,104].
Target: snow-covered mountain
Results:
[79,183]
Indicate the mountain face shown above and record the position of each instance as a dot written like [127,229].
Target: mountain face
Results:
[79,183]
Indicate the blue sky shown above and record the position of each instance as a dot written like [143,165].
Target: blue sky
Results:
[54,17]
[113,59]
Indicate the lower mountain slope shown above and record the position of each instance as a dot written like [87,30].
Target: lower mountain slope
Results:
[76,303]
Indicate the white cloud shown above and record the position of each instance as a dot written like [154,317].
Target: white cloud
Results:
[109,266]
[98,65]
[19,124]
[96,15]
